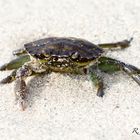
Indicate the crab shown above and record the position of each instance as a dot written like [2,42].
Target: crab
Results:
[65,55]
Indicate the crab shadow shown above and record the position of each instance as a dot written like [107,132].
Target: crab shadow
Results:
[37,84]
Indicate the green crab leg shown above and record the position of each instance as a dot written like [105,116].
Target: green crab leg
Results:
[110,65]
[9,79]
[97,81]
[20,51]
[121,44]
[16,63]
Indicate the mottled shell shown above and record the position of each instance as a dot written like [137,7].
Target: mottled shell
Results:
[78,49]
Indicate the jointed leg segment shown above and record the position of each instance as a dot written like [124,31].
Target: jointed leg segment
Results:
[13,65]
[20,51]
[97,81]
[110,65]
[16,63]
[121,44]
[20,85]
[9,78]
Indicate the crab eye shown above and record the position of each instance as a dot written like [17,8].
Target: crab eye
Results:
[75,55]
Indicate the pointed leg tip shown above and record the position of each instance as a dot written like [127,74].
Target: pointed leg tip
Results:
[131,39]
[3,67]
[125,43]
[2,82]
[136,78]
[23,108]
[6,80]
[100,93]
[22,105]
[128,41]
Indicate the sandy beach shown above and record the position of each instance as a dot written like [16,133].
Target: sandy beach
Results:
[65,107]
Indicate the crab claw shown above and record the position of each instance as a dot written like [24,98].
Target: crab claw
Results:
[22,104]
[21,93]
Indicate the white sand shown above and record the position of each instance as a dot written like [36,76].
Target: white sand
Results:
[64,107]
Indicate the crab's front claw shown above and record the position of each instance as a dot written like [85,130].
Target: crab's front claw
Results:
[20,85]
[21,93]
[22,104]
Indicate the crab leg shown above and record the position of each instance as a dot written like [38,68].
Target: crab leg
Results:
[19,52]
[12,77]
[9,78]
[20,85]
[22,73]
[16,63]
[121,44]
[110,65]
[97,81]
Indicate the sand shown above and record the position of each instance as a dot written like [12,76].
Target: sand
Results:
[66,107]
